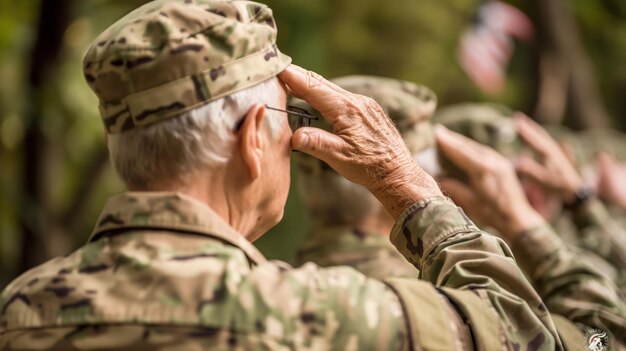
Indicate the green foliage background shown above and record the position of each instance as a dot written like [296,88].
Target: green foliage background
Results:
[409,39]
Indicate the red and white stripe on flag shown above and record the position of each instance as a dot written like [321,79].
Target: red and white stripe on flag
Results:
[486,47]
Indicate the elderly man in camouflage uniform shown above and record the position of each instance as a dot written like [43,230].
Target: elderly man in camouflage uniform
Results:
[563,276]
[351,227]
[188,95]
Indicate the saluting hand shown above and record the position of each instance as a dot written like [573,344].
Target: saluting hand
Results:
[554,170]
[365,147]
[493,195]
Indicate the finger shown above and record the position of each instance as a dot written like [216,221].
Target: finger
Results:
[318,92]
[526,166]
[465,153]
[460,193]
[318,143]
[605,164]
[533,134]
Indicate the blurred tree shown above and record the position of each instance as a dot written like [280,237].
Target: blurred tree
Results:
[566,79]
[38,241]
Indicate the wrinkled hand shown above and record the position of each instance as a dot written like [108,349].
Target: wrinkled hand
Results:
[611,180]
[554,171]
[364,147]
[494,195]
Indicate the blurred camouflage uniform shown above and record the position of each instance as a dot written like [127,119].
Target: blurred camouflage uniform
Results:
[574,284]
[162,271]
[594,225]
[571,287]
[338,208]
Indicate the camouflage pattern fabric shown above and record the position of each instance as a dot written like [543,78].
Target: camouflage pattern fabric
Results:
[617,214]
[599,233]
[369,253]
[164,272]
[170,56]
[570,286]
[426,251]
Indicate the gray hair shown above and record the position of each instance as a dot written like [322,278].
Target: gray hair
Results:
[200,138]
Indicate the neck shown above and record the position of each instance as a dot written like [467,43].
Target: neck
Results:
[213,190]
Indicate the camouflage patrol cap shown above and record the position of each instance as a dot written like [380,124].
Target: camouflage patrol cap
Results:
[487,123]
[170,56]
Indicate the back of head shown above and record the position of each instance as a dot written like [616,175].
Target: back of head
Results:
[332,199]
[173,76]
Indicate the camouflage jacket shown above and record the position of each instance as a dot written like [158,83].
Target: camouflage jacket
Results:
[164,272]
[570,286]
[369,253]
[601,238]
[600,233]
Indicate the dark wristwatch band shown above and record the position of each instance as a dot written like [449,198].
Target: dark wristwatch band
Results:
[581,196]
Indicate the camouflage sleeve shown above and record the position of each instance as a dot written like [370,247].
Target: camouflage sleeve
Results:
[600,233]
[451,252]
[569,285]
[314,308]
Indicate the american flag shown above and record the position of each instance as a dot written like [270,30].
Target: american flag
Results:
[486,47]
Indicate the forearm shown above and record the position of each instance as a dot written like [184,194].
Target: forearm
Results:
[569,285]
[452,252]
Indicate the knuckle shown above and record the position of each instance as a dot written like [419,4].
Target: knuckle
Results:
[317,142]
[370,104]
[313,79]
[367,101]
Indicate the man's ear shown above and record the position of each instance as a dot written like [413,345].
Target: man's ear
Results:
[251,139]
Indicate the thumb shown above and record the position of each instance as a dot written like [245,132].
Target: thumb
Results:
[318,143]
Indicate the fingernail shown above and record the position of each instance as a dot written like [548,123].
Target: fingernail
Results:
[300,140]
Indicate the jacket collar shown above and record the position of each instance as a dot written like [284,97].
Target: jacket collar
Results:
[169,211]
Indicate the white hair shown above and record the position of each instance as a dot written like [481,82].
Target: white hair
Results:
[200,138]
